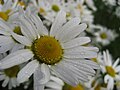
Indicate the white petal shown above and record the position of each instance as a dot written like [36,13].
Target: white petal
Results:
[5,82]
[81,54]
[66,75]
[13,81]
[16,58]
[86,69]
[2,77]
[42,30]
[53,85]
[57,80]
[38,75]
[59,20]
[81,49]
[107,78]
[27,71]
[27,23]
[6,43]
[46,72]
[5,26]
[117,69]
[73,22]
[72,32]
[23,40]
[116,63]
[76,42]
[77,72]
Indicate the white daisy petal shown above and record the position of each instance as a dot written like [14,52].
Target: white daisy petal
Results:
[5,82]
[57,80]
[80,54]
[81,66]
[27,71]
[53,85]
[109,59]
[10,84]
[23,40]
[2,77]
[116,63]
[106,79]
[65,75]
[76,42]
[46,74]
[82,48]
[16,58]
[13,81]
[117,69]
[5,25]
[77,72]
[59,21]
[6,43]
[73,22]
[91,64]
[72,32]
[38,75]
[39,25]
[27,23]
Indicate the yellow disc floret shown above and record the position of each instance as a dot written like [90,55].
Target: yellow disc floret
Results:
[5,15]
[55,8]
[103,35]
[12,72]
[47,50]
[110,71]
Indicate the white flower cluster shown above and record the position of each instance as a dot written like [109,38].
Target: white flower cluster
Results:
[45,43]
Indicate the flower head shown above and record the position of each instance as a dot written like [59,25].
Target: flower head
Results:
[58,50]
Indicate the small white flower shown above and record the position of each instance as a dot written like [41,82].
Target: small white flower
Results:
[110,69]
[8,9]
[104,35]
[58,50]
[6,40]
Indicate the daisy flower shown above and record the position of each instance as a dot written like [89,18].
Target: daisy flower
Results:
[7,10]
[8,76]
[77,8]
[6,40]
[58,50]
[48,8]
[110,69]
[105,36]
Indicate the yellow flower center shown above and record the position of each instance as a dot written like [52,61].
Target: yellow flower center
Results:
[12,72]
[80,8]
[79,87]
[55,8]
[21,3]
[4,15]
[68,14]
[110,71]
[17,30]
[47,50]
[42,11]
[2,2]
[94,59]
[103,35]
[98,87]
